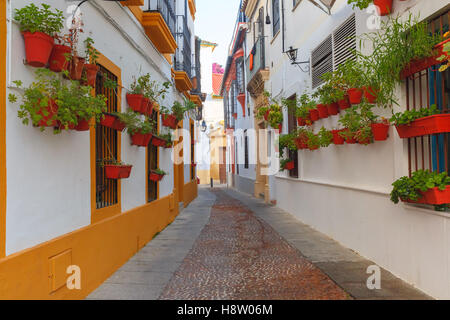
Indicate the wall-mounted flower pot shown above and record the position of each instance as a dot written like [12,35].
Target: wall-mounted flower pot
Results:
[300,143]
[117,171]
[235,116]
[169,120]
[135,101]
[280,127]
[323,111]
[155,177]
[289,166]
[417,65]
[91,73]
[438,123]
[301,121]
[141,140]
[58,61]
[38,48]
[380,131]
[370,95]
[83,125]
[113,122]
[158,142]
[314,114]
[76,68]
[355,95]
[266,115]
[433,196]
[147,106]
[344,103]
[312,148]
[384,7]
[350,139]
[51,110]
[333,109]
[337,139]
[193,165]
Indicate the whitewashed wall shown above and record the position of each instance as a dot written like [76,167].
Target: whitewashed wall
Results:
[48,176]
[343,191]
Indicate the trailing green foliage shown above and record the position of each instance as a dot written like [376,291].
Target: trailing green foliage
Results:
[408,116]
[134,122]
[407,188]
[90,52]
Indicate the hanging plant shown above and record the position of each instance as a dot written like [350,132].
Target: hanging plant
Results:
[157,175]
[50,101]
[91,56]
[39,26]
[116,169]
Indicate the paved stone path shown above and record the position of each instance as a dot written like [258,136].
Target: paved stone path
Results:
[227,245]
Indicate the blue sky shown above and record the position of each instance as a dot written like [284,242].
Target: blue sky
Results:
[214,22]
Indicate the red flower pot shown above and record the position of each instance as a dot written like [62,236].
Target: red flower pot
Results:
[117,172]
[38,47]
[198,181]
[355,95]
[266,115]
[155,177]
[49,119]
[349,140]
[58,61]
[314,114]
[312,148]
[280,127]
[333,109]
[135,101]
[433,196]
[344,103]
[337,139]
[76,68]
[300,143]
[370,95]
[113,122]
[141,140]
[301,122]
[289,166]
[438,123]
[169,120]
[91,73]
[158,142]
[384,7]
[323,111]
[83,125]
[380,131]
[148,106]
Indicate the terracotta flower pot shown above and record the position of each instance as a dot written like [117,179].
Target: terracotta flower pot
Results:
[349,140]
[155,177]
[380,131]
[266,115]
[38,48]
[301,122]
[158,142]
[91,73]
[314,114]
[48,120]
[289,166]
[58,61]
[344,103]
[355,95]
[384,7]
[337,139]
[370,95]
[323,111]
[438,123]
[135,101]
[141,140]
[76,68]
[169,120]
[117,171]
[113,122]
[333,109]
[433,196]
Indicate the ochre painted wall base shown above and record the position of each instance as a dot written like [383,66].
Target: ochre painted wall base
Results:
[99,250]
[190,192]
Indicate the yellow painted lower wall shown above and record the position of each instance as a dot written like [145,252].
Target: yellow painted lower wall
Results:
[99,250]
[204,176]
[190,192]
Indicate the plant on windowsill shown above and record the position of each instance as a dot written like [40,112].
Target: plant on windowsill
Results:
[116,170]
[157,175]
[91,68]
[287,141]
[423,187]
[39,27]
[286,164]
[52,102]
[424,121]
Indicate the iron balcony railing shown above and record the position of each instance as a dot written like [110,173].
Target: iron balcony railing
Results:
[167,10]
[183,55]
[258,60]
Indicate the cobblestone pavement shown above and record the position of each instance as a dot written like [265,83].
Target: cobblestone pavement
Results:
[239,256]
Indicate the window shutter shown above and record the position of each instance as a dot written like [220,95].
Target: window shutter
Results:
[321,61]
[344,42]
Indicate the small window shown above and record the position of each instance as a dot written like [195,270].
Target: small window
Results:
[276,16]
[321,61]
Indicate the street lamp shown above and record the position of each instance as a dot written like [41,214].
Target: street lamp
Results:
[292,55]
[203,127]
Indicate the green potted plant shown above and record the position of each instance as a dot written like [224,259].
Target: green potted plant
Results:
[287,164]
[424,187]
[384,7]
[50,102]
[303,112]
[287,141]
[135,97]
[313,140]
[275,117]
[380,129]
[39,27]
[91,66]
[157,175]
[320,95]
[353,75]
[424,121]
[153,92]
[325,137]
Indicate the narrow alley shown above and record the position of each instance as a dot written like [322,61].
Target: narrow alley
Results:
[227,245]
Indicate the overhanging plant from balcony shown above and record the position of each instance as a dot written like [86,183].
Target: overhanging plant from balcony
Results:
[423,187]
[157,175]
[39,25]
[63,104]
[424,121]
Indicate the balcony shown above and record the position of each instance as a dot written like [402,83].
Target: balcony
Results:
[159,24]
[183,56]
[259,73]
